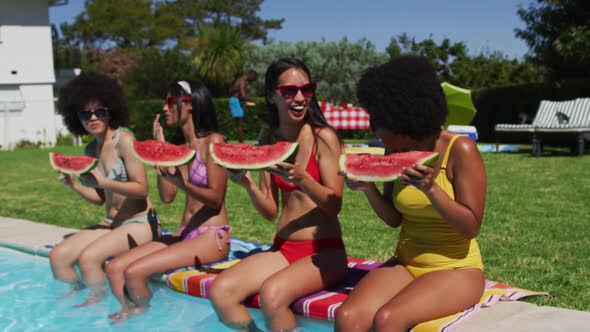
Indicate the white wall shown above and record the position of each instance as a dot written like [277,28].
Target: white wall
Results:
[26,61]
[35,123]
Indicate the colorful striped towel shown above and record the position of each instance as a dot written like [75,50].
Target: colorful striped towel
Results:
[325,303]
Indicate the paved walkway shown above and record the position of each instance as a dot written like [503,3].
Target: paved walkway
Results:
[516,316]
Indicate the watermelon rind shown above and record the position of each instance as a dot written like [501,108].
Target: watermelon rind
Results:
[287,156]
[187,156]
[76,172]
[428,161]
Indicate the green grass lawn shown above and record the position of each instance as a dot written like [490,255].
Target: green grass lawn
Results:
[535,232]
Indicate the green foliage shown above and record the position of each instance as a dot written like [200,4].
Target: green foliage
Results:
[493,70]
[150,76]
[336,66]
[441,55]
[123,23]
[453,64]
[534,234]
[558,35]
[148,23]
[221,54]
[240,14]
[144,112]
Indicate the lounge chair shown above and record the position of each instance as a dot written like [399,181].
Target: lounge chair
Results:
[554,121]
[569,126]
[523,132]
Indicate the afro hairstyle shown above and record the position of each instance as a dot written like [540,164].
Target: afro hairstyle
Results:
[88,87]
[404,97]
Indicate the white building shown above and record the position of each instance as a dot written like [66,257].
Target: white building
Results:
[26,73]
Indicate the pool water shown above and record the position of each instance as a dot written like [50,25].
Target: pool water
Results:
[28,302]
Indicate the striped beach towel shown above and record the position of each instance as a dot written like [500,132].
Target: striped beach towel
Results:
[325,303]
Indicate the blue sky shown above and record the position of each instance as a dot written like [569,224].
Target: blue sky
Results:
[482,25]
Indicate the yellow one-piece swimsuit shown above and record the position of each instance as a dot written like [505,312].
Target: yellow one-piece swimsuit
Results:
[427,242]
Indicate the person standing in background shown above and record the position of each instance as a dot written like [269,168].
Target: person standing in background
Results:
[237,99]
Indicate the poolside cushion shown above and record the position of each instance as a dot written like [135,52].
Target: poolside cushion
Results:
[325,303]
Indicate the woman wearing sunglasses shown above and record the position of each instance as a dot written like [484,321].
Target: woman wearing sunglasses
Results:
[94,104]
[308,252]
[204,233]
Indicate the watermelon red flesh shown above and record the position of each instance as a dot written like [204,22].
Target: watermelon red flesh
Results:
[156,153]
[72,164]
[246,156]
[375,168]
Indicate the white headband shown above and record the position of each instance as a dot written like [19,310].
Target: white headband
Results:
[185,86]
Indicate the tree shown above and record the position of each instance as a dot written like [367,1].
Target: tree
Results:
[64,56]
[335,66]
[221,54]
[151,74]
[123,23]
[240,14]
[493,70]
[453,63]
[440,55]
[558,35]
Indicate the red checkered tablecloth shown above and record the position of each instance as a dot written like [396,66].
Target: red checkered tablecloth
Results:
[345,117]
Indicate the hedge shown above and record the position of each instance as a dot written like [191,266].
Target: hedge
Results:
[503,105]
[143,113]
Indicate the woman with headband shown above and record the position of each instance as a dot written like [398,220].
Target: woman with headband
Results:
[204,234]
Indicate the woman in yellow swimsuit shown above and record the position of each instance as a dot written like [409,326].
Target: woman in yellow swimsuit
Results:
[437,268]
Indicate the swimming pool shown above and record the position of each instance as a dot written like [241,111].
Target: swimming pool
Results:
[28,302]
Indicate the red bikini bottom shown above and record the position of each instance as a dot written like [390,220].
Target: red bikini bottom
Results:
[295,250]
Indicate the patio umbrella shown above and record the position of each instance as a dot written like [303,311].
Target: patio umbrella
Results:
[460,105]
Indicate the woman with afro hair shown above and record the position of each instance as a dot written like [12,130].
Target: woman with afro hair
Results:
[437,267]
[94,104]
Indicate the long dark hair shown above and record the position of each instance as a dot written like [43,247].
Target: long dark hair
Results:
[203,113]
[314,116]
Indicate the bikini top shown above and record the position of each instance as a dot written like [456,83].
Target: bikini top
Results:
[198,173]
[313,168]
[118,172]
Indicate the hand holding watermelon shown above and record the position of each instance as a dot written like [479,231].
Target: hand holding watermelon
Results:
[66,179]
[419,176]
[90,179]
[356,185]
[240,177]
[172,175]
[375,168]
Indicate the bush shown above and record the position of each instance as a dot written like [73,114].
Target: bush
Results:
[143,113]
[150,77]
[502,105]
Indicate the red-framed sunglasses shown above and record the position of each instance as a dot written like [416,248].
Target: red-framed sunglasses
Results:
[170,101]
[99,113]
[290,91]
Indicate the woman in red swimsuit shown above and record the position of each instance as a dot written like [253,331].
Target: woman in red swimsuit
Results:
[308,253]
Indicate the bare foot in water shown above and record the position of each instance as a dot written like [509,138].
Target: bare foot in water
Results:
[75,289]
[123,315]
[92,299]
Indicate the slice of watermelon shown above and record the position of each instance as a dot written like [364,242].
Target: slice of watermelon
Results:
[251,157]
[76,165]
[156,153]
[376,168]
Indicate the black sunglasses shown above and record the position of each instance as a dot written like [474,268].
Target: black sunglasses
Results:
[99,112]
